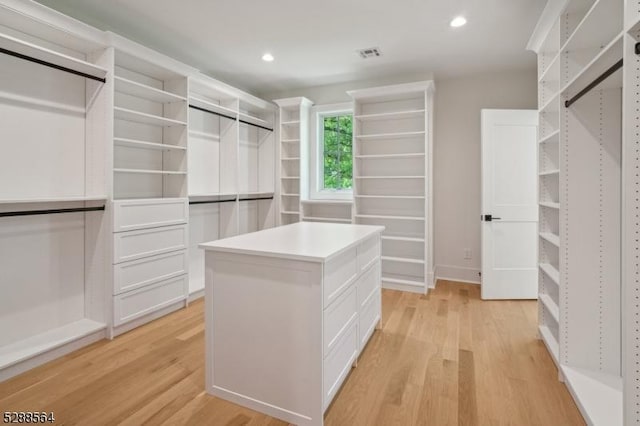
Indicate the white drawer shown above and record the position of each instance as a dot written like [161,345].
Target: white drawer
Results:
[143,301]
[368,252]
[338,364]
[368,318]
[148,242]
[139,273]
[141,214]
[338,317]
[339,273]
[368,282]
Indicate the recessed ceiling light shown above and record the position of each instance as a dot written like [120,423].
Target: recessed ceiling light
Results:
[268,57]
[458,21]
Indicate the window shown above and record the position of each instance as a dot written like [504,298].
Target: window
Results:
[337,134]
[332,152]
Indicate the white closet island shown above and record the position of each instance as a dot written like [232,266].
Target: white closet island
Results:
[288,311]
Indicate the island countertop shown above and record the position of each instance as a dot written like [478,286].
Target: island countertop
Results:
[306,241]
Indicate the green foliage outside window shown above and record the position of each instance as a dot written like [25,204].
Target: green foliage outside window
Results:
[338,152]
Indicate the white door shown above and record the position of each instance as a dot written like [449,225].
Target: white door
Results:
[509,204]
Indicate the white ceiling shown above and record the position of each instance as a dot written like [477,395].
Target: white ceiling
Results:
[315,42]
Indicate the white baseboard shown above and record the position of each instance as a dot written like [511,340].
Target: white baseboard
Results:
[196,295]
[458,273]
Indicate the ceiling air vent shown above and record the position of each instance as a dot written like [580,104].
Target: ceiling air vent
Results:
[370,52]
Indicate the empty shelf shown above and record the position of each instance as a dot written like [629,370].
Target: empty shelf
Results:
[328,202]
[418,113]
[214,196]
[250,119]
[551,343]
[551,306]
[53,199]
[551,272]
[392,197]
[326,219]
[149,172]
[210,106]
[550,204]
[290,195]
[138,90]
[390,177]
[144,118]
[384,217]
[553,137]
[290,213]
[30,347]
[290,123]
[386,156]
[290,177]
[290,140]
[552,106]
[550,172]
[132,143]
[30,50]
[404,239]
[400,135]
[599,395]
[552,238]
[402,260]
[291,159]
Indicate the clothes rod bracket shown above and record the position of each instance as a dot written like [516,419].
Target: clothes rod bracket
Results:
[51,211]
[51,65]
[637,49]
[615,67]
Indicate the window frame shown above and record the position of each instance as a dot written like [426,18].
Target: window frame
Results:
[316,181]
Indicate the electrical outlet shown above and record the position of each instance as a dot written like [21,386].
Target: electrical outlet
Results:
[467,254]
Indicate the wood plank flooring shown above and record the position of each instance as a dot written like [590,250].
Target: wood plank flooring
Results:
[443,359]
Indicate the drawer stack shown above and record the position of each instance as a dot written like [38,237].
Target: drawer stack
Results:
[352,308]
[150,262]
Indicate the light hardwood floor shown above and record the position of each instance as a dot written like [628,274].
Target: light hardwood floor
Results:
[446,358]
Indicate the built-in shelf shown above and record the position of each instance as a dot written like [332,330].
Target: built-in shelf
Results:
[290,195]
[290,123]
[387,156]
[204,135]
[551,272]
[402,260]
[392,197]
[390,177]
[50,56]
[553,137]
[260,194]
[144,118]
[143,91]
[290,213]
[604,60]
[551,343]
[553,69]
[291,159]
[550,205]
[326,219]
[132,143]
[385,217]
[290,140]
[598,395]
[328,202]
[150,172]
[554,172]
[399,135]
[552,106]
[601,23]
[404,239]
[213,107]
[214,196]
[551,306]
[254,120]
[290,177]
[419,113]
[30,347]
[552,238]
[53,200]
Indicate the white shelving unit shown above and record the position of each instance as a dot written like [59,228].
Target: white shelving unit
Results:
[331,211]
[580,164]
[392,178]
[293,151]
[53,189]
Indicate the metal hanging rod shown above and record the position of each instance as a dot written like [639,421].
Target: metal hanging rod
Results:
[51,65]
[256,125]
[211,201]
[257,198]
[615,67]
[51,211]
[213,112]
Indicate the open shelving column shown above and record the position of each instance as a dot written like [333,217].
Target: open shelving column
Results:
[330,211]
[150,184]
[580,164]
[53,189]
[293,157]
[392,178]
[212,155]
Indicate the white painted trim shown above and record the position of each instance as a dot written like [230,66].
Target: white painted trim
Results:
[196,295]
[458,273]
[404,287]
[549,15]
[128,326]
[392,90]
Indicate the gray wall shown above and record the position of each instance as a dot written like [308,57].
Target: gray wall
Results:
[458,102]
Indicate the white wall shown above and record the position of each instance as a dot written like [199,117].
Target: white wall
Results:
[457,201]
[458,102]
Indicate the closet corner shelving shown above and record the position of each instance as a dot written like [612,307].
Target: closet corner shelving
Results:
[580,164]
[53,187]
[392,178]
[293,152]
[331,211]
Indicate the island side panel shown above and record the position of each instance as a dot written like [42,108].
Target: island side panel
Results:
[264,334]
